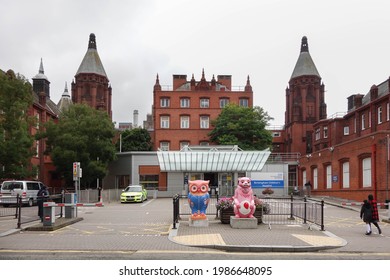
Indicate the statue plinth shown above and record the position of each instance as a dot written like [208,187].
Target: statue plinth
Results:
[243,222]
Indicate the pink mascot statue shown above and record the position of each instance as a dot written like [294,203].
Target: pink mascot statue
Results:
[244,205]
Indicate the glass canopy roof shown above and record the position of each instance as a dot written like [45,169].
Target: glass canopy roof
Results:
[212,160]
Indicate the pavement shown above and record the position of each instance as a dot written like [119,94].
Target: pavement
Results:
[264,238]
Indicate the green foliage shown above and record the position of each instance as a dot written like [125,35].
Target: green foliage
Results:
[16,97]
[83,135]
[242,126]
[137,139]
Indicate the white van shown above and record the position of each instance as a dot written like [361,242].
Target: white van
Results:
[28,190]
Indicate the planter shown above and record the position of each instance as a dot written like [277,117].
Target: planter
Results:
[224,215]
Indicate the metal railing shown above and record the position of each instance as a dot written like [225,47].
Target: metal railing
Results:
[280,210]
[23,213]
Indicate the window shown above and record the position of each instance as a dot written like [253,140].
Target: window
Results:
[204,122]
[204,103]
[164,102]
[315,178]
[345,168]
[37,148]
[184,121]
[363,122]
[379,114]
[223,102]
[276,134]
[149,182]
[325,132]
[164,146]
[184,102]
[366,166]
[369,119]
[164,121]
[203,143]
[318,134]
[387,112]
[328,176]
[346,130]
[243,102]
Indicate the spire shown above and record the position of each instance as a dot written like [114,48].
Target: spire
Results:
[304,45]
[66,92]
[248,86]
[92,41]
[65,100]
[305,65]
[157,84]
[41,73]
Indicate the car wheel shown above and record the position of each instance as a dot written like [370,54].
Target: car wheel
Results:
[30,202]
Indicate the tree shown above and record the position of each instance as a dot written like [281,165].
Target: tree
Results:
[242,126]
[137,139]
[84,135]
[16,98]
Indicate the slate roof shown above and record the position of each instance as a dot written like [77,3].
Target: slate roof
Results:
[305,65]
[91,62]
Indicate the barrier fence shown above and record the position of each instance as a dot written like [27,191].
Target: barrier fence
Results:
[279,210]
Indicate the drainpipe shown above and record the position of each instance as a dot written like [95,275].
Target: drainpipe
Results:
[373,152]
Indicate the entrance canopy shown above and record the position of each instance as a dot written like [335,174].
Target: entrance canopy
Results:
[212,159]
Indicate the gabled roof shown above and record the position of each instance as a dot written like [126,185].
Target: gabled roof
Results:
[91,62]
[305,65]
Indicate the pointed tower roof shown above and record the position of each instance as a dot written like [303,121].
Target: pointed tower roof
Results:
[305,65]
[91,62]
[41,74]
[65,100]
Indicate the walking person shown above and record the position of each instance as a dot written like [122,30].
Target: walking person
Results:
[42,196]
[308,188]
[366,215]
[375,213]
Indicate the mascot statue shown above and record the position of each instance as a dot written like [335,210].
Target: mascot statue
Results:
[198,198]
[244,205]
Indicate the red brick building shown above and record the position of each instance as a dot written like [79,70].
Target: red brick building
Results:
[345,155]
[350,157]
[182,115]
[43,109]
[91,85]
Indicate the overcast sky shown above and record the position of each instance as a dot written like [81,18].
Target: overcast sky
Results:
[136,39]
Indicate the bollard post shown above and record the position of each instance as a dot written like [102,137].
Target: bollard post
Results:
[291,207]
[19,209]
[322,215]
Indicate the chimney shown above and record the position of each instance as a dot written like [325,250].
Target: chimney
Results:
[135,118]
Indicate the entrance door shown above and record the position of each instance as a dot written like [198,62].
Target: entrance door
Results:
[213,184]
[225,184]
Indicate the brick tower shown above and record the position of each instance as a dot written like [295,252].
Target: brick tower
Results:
[305,103]
[91,85]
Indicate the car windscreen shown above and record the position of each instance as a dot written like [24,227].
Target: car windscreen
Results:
[9,186]
[133,189]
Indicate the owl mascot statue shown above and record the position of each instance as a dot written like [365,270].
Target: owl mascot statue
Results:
[244,205]
[198,198]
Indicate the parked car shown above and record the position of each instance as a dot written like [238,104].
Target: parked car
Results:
[27,190]
[134,193]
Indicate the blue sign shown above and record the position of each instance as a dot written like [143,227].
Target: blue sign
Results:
[257,184]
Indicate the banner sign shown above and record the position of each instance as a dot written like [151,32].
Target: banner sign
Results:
[268,180]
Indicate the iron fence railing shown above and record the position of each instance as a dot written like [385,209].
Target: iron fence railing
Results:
[281,210]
